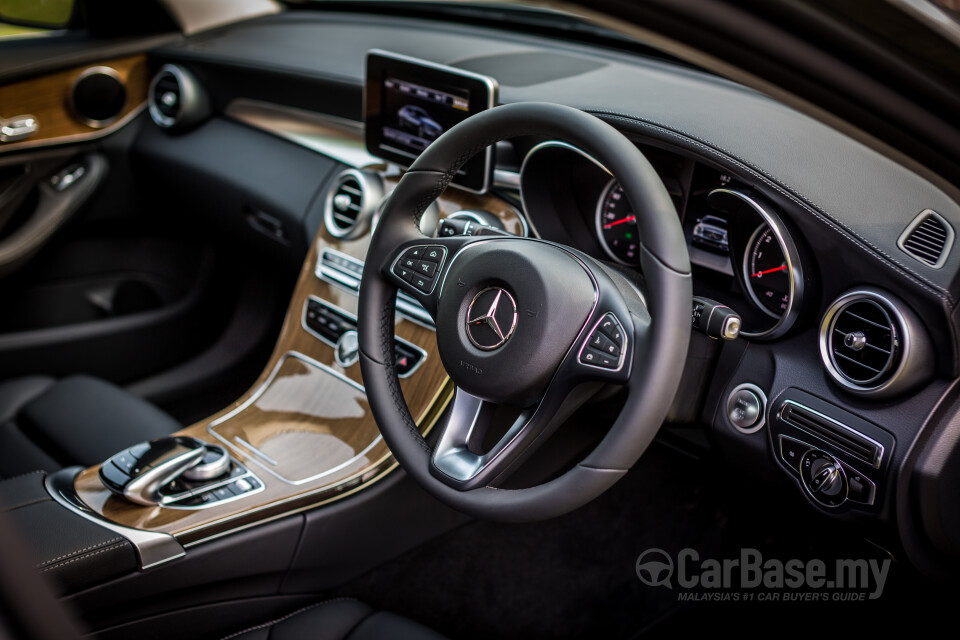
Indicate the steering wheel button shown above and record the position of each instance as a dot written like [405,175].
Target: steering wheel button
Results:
[416,253]
[426,268]
[403,273]
[433,254]
[422,283]
[602,343]
[409,263]
[609,362]
[611,328]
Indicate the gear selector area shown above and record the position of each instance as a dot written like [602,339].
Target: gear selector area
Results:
[177,472]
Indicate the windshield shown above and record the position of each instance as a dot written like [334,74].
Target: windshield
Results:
[556,19]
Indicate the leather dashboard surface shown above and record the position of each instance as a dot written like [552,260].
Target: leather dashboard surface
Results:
[838,179]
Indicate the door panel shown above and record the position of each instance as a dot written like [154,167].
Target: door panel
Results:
[96,278]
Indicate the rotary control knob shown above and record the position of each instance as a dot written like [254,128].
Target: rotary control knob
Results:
[824,478]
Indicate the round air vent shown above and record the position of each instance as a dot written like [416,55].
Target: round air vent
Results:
[350,203]
[872,344]
[176,98]
[98,96]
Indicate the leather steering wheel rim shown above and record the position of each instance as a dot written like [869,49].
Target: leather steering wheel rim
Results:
[656,364]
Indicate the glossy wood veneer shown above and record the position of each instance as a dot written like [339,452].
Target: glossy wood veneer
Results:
[47,98]
[306,409]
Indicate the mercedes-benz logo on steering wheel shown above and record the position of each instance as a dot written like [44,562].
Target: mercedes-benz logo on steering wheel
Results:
[491,318]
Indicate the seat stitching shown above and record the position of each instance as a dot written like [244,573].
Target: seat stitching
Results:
[86,555]
[286,617]
[78,551]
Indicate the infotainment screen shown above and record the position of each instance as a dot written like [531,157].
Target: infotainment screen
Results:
[410,103]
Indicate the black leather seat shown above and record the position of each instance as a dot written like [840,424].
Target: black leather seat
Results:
[342,619]
[47,424]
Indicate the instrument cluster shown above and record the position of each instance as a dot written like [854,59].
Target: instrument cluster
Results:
[745,254]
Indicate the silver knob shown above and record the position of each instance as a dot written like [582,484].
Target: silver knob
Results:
[856,340]
[215,463]
[348,349]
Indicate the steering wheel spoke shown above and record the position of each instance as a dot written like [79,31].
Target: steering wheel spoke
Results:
[459,459]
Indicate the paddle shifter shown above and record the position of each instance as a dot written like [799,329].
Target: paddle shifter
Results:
[176,471]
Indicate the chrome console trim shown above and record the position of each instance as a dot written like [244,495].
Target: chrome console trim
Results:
[152,548]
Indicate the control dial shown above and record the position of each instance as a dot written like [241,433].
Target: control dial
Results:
[824,478]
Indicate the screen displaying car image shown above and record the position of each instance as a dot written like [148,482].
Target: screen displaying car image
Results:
[409,103]
[414,115]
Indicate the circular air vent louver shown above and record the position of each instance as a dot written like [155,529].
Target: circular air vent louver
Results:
[871,343]
[166,95]
[865,343]
[350,203]
[176,98]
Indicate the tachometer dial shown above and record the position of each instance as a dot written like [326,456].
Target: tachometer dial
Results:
[617,227]
[767,272]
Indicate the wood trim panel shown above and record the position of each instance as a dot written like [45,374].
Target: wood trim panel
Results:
[47,98]
[300,406]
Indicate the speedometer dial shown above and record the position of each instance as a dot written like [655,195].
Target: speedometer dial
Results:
[617,227]
[767,272]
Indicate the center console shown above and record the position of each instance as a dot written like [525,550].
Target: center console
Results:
[303,435]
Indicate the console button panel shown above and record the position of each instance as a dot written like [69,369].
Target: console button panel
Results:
[329,323]
[235,482]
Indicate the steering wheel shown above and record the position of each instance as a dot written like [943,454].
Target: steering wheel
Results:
[526,323]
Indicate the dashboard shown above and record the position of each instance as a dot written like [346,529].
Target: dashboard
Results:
[839,261]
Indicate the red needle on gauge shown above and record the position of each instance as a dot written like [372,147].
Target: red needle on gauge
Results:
[762,273]
[620,221]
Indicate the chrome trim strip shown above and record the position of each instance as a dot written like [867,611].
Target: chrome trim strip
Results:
[337,138]
[255,450]
[880,448]
[506,179]
[152,548]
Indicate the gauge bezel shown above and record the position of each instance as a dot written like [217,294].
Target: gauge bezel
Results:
[598,226]
[546,145]
[794,268]
[746,269]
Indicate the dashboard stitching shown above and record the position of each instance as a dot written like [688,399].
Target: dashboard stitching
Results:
[770,181]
